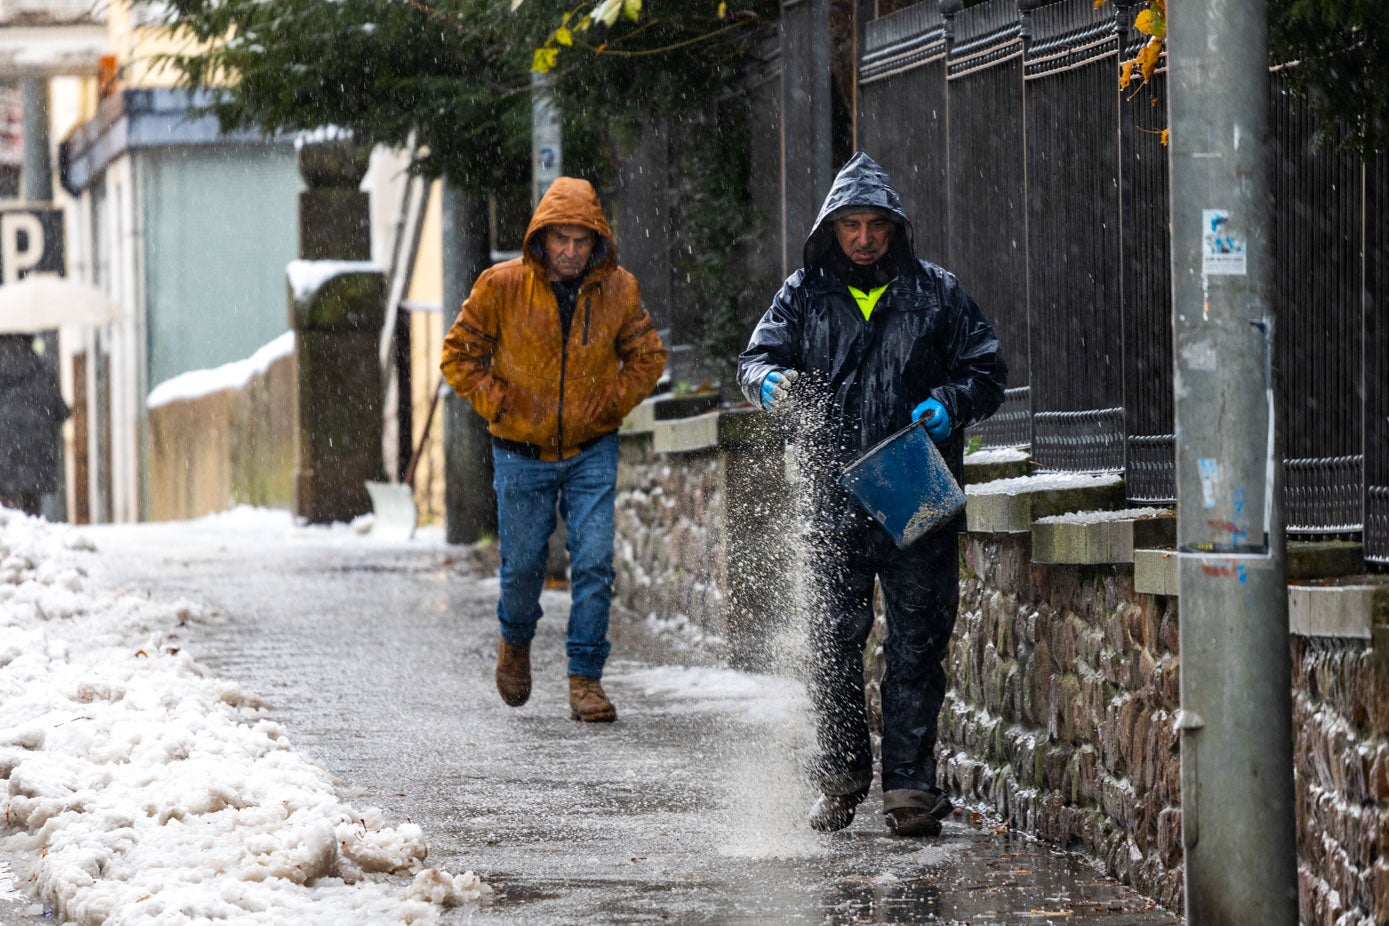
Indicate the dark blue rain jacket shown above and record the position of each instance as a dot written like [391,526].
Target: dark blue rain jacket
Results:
[926,338]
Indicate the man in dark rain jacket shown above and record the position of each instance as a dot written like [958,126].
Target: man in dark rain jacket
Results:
[861,341]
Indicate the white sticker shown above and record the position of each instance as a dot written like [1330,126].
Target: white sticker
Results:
[1222,245]
[1210,480]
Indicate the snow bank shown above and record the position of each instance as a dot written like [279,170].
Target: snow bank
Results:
[137,788]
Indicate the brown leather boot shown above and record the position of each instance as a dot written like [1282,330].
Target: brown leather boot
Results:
[513,673]
[587,701]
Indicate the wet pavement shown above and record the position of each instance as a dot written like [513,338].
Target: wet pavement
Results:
[378,659]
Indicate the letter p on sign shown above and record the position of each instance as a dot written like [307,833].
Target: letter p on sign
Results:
[31,241]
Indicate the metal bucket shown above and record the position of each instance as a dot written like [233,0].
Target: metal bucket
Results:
[904,484]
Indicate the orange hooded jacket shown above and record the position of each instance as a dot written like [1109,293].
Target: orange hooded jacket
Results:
[506,353]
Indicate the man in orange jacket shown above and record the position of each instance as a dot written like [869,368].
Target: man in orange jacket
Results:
[554,349]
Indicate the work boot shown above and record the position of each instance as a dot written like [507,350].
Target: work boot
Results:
[835,811]
[920,814]
[513,673]
[587,701]
[911,821]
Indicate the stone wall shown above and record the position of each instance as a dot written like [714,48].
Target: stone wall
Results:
[700,529]
[1340,722]
[1063,686]
[1064,674]
[669,557]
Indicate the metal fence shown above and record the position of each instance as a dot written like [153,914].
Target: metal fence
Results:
[1318,198]
[1377,359]
[1055,191]
[1074,298]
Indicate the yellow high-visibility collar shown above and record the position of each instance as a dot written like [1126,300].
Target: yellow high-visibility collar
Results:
[867,301]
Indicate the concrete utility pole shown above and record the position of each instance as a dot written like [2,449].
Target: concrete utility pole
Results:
[470,505]
[1235,721]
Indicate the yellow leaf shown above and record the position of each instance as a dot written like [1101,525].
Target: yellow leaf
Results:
[723,9]
[1126,74]
[544,60]
[1152,22]
[1148,57]
[1164,138]
[564,36]
[631,9]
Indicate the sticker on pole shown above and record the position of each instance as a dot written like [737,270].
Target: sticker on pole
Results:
[1222,248]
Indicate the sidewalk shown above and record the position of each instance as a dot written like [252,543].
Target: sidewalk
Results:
[377,659]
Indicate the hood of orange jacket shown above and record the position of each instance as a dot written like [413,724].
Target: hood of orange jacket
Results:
[570,201]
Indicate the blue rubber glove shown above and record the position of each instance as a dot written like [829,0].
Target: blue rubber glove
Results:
[776,386]
[937,419]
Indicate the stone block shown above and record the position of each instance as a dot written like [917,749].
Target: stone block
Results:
[1155,571]
[667,406]
[1093,537]
[1011,505]
[1350,608]
[991,465]
[1324,559]
[639,419]
[686,435]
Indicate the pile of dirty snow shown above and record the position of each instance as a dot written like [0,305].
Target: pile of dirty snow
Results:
[136,786]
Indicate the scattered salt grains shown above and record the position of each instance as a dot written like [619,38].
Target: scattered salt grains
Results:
[136,785]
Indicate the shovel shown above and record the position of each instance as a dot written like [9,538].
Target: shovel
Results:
[393,509]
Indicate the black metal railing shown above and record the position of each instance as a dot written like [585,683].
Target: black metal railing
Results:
[904,62]
[1377,359]
[1145,262]
[1055,191]
[1011,425]
[1318,299]
[1074,296]
[987,235]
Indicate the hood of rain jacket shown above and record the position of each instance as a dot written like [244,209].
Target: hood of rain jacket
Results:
[542,390]
[861,378]
[860,185]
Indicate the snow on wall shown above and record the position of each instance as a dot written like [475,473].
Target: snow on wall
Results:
[235,375]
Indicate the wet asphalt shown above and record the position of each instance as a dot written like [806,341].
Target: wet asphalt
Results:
[378,659]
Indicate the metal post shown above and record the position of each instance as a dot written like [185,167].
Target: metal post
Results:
[36,173]
[470,506]
[821,105]
[1235,720]
[547,148]
[36,186]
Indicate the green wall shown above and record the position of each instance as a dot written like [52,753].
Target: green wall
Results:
[219,228]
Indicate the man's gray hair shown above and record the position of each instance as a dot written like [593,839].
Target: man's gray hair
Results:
[844,211]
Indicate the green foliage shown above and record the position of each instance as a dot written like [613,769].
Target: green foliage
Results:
[456,72]
[675,61]
[1339,52]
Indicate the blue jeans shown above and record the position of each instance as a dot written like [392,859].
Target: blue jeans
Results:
[527,491]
